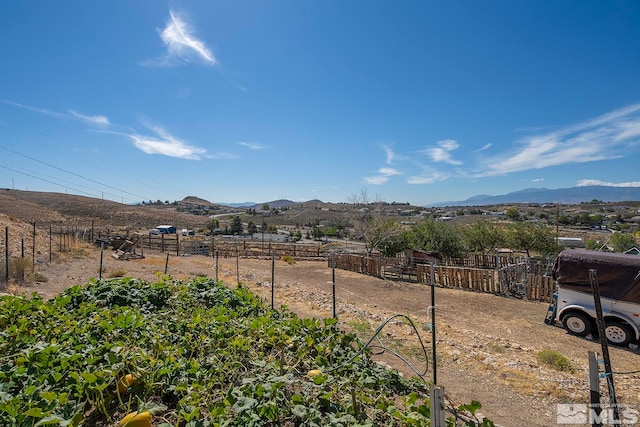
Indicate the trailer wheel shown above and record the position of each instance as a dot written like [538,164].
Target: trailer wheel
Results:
[618,333]
[577,323]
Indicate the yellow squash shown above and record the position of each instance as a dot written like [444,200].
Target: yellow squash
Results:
[125,382]
[136,419]
[312,373]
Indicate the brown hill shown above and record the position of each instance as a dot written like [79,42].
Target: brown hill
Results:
[194,200]
[66,209]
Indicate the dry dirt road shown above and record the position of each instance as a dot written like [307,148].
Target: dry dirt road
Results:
[486,344]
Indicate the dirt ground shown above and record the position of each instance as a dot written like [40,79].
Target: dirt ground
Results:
[486,344]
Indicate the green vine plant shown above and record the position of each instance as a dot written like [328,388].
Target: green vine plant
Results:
[190,353]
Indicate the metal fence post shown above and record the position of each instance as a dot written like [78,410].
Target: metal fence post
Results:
[273,278]
[595,289]
[6,252]
[437,406]
[594,388]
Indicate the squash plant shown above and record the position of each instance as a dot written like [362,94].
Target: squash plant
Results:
[188,353]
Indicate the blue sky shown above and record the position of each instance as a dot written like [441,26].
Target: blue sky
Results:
[234,101]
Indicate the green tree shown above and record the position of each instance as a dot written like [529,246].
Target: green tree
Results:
[317,233]
[512,214]
[395,244]
[438,236]
[566,220]
[385,235]
[212,225]
[622,241]
[529,236]
[330,231]
[272,229]
[252,228]
[265,206]
[592,244]
[484,236]
[236,226]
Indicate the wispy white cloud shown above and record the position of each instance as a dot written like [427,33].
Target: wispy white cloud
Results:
[35,109]
[441,152]
[166,144]
[252,145]
[376,180]
[484,147]
[96,120]
[601,138]
[537,180]
[383,176]
[388,171]
[428,176]
[588,182]
[390,154]
[182,45]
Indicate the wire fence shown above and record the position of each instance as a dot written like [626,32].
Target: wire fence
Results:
[24,248]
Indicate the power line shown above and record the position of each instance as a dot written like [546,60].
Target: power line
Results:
[73,173]
[27,172]
[32,128]
[46,180]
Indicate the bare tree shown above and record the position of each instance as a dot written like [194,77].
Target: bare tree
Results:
[376,231]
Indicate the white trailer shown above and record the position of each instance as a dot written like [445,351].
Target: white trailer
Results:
[619,282]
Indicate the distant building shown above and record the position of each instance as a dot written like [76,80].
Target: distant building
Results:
[167,229]
[571,242]
[271,237]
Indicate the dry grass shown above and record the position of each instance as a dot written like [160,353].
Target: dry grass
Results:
[555,360]
[289,259]
[529,383]
[18,268]
[74,250]
[117,273]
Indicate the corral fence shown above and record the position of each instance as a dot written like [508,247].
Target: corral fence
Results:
[521,279]
[23,247]
[179,245]
[503,274]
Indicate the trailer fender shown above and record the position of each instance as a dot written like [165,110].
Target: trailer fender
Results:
[574,307]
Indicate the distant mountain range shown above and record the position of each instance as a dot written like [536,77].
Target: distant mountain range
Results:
[253,205]
[569,196]
[573,195]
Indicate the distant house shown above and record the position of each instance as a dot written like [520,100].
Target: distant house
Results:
[571,242]
[167,229]
[270,237]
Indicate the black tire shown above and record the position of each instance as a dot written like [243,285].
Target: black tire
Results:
[618,333]
[577,323]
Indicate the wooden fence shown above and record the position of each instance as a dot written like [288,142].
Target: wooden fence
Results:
[207,246]
[532,286]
